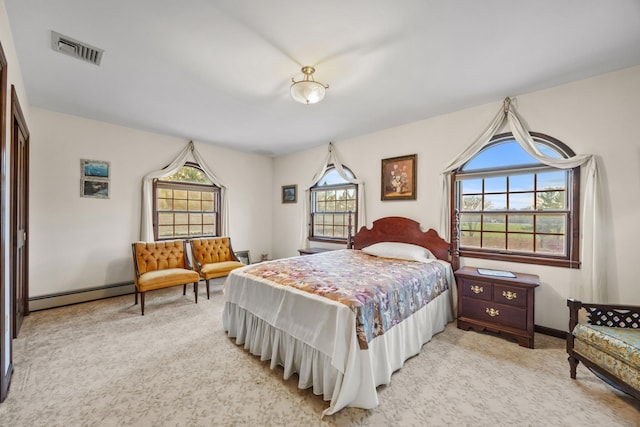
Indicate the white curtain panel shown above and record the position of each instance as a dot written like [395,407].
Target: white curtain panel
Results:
[146,221]
[589,282]
[331,159]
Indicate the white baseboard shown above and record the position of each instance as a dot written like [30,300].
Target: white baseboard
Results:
[84,295]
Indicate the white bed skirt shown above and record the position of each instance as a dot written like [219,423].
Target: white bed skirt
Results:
[364,370]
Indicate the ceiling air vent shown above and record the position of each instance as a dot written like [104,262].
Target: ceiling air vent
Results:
[67,45]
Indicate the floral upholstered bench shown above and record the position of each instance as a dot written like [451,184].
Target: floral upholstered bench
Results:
[607,341]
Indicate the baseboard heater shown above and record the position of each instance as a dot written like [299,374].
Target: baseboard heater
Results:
[82,295]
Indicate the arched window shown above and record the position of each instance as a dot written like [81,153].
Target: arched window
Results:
[333,199]
[515,208]
[186,204]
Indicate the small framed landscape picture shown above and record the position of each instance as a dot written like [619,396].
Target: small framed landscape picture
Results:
[94,178]
[399,178]
[94,188]
[289,193]
[94,169]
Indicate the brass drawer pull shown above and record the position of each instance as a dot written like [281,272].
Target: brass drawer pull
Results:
[492,312]
[476,289]
[509,295]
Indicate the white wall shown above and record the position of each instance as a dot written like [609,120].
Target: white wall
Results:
[594,116]
[78,243]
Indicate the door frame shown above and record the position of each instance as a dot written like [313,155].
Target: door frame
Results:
[19,121]
[5,289]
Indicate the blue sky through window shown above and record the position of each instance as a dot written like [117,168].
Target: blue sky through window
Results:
[332,177]
[505,154]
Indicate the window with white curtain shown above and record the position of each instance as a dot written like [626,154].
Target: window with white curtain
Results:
[512,207]
[186,204]
[333,201]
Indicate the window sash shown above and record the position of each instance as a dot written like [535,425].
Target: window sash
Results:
[196,215]
[538,234]
[483,213]
[319,230]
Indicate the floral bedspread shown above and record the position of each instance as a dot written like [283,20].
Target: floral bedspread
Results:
[381,292]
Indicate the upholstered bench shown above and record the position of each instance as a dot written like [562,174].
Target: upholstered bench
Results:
[607,342]
[160,265]
[214,257]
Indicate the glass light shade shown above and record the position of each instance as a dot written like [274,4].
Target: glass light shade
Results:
[307,91]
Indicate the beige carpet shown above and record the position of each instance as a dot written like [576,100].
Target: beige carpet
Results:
[102,364]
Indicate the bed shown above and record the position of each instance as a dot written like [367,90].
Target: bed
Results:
[345,320]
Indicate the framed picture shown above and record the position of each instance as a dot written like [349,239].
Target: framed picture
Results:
[399,178]
[289,193]
[94,169]
[95,188]
[94,178]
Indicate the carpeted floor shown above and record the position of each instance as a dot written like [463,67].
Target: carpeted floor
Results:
[102,364]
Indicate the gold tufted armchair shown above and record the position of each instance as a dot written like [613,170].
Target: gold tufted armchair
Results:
[161,265]
[214,257]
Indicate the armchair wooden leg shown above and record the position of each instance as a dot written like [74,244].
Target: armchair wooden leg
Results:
[195,289]
[573,364]
[184,289]
[207,280]
[136,303]
[142,302]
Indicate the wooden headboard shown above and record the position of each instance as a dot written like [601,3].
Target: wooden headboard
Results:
[404,230]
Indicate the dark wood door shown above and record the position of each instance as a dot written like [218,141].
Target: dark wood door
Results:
[20,214]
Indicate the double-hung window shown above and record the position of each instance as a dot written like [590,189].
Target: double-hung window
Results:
[186,204]
[334,203]
[512,207]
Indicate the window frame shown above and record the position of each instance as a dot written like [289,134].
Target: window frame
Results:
[354,214]
[186,186]
[572,232]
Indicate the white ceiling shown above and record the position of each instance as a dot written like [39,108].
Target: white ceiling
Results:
[219,71]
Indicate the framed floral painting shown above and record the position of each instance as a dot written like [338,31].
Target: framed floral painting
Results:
[399,178]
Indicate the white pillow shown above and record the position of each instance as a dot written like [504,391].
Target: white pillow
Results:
[398,250]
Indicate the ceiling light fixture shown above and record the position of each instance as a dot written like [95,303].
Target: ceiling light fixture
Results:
[307,90]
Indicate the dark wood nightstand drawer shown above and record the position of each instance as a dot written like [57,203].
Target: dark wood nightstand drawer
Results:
[477,289]
[510,295]
[488,311]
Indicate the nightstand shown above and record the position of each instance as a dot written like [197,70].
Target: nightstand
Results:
[311,251]
[499,304]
